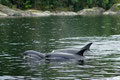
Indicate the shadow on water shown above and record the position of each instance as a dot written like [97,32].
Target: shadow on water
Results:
[46,34]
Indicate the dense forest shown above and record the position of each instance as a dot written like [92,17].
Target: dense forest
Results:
[58,5]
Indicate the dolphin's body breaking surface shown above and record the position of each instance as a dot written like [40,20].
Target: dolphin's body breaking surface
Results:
[33,54]
[59,54]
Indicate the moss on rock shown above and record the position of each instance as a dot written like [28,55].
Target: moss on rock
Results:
[92,11]
[115,7]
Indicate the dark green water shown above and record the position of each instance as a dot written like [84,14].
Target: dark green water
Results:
[45,34]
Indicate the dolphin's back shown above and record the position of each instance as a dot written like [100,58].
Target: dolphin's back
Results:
[63,56]
[67,50]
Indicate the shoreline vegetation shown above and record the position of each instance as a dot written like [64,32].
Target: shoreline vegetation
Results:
[94,11]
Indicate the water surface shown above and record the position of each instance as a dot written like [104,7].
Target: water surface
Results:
[45,34]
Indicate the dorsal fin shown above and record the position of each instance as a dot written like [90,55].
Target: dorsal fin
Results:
[86,47]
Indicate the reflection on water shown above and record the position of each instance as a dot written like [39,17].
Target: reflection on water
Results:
[46,34]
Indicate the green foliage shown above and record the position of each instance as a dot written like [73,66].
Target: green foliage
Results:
[61,9]
[6,2]
[73,5]
[117,1]
[28,4]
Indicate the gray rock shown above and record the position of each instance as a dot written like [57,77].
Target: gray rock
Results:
[41,14]
[48,13]
[8,11]
[109,12]
[36,13]
[63,13]
[3,14]
[11,12]
[91,11]
[26,13]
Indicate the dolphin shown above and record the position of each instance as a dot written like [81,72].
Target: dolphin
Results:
[68,54]
[58,54]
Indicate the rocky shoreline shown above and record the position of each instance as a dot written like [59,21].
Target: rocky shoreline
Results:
[8,12]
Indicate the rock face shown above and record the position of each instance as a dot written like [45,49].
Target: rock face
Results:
[6,11]
[109,12]
[10,12]
[48,13]
[114,10]
[39,13]
[3,14]
[91,11]
[65,13]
